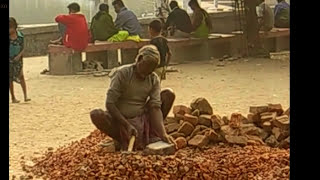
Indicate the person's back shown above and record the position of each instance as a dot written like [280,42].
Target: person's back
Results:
[267,17]
[180,19]
[102,26]
[77,34]
[126,19]
[282,14]
[201,21]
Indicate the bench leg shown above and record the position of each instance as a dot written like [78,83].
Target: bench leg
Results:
[101,57]
[190,53]
[112,59]
[128,56]
[64,64]
[282,43]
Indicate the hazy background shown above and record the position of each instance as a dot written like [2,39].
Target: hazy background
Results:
[44,11]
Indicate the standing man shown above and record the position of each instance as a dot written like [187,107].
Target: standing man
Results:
[178,21]
[135,105]
[282,14]
[73,28]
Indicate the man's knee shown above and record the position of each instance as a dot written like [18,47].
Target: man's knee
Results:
[168,94]
[97,115]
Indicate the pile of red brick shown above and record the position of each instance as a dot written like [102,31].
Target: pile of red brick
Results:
[220,156]
[198,126]
[85,159]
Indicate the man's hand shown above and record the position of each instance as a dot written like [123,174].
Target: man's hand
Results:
[132,131]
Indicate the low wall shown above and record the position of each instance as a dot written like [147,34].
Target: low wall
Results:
[37,37]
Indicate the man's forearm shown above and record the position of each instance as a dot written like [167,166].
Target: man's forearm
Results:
[115,113]
[156,121]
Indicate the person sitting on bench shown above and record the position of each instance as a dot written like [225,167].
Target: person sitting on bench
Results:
[265,16]
[162,44]
[127,22]
[102,26]
[135,105]
[178,22]
[201,21]
[282,14]
[73,29]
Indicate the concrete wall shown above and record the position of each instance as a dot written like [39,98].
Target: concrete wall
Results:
[37,37]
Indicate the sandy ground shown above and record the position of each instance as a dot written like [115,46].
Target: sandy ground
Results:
[60,106]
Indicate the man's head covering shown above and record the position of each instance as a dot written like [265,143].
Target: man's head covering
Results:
[150,51]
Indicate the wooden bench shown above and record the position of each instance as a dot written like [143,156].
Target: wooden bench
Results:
[278,39]
[65,61]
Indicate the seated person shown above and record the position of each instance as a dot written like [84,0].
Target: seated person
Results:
[135,105]
[102,26]
[265,16]
[73,28]
[127,22]
[200,20]
[282,14]
[162,44]
[178,21]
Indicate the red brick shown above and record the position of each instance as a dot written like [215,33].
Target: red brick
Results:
[191,119]
[205,120]
[238,140]
[203,105]
[186,128]
[258,109]
[181,142]
[275,108]
[216,122]
[181,109]
[199,141]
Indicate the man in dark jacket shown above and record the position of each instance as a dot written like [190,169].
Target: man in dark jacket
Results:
[102,26]
[179,21]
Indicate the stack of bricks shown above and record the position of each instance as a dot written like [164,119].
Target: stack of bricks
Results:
[198,126]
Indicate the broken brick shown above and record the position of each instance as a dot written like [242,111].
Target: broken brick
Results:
[235,120]
[196,113]
[225,120]
[267,126]
[238,140]
[227,130]
[216,122]
[199,141]
[181,142]
[181,109]
[272,141]
[287,112]
[285,143]
[172,127]
[191,119]
[186,128]
[268,116]
[212,135]
[203,105]
[282,122]
[258,109]
[275,108]
[176,135]
[196,130]
[280,134]
[205,120]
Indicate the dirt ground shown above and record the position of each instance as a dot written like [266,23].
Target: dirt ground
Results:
[59,111]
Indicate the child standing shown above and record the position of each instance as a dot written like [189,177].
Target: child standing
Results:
[162,44]
[15,60]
